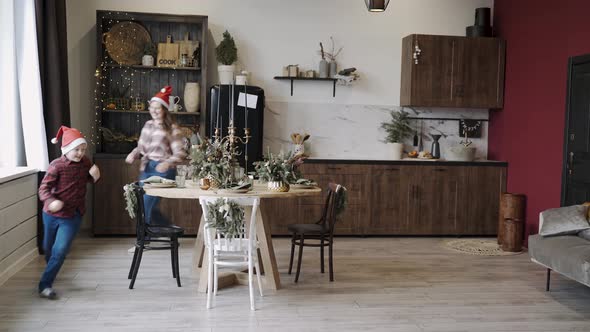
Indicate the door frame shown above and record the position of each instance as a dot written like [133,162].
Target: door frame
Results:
[572,61]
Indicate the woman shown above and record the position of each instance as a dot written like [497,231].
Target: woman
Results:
[161,148]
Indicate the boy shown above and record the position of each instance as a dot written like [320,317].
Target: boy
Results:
[63,192]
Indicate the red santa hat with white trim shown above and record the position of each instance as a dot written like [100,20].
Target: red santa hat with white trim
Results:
[70,138]
[163,96]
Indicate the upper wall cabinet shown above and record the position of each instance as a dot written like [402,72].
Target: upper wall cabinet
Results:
[451,71]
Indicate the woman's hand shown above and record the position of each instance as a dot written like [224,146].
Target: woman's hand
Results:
[55,206]
[162,167]
[94,172]
[130,158]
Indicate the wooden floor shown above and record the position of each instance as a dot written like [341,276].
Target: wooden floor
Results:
[382,284]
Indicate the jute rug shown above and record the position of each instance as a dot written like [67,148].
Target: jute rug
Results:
[482,247]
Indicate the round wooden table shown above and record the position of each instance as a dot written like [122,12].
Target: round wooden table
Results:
[268,260]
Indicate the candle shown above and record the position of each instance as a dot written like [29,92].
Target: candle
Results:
[232,101]
[246,106]
[218,102]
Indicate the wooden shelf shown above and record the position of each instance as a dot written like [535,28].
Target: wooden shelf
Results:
[148,112]
[289,78]
[140,67]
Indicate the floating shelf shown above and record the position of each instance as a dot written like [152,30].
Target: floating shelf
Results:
[289,78]
[148,112]
[140,67]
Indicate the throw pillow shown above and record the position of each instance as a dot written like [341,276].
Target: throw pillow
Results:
[564,221]
[585,234]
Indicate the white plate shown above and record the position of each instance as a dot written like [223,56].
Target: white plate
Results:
[302,186]
[161,185]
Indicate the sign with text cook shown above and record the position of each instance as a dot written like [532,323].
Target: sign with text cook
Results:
[167,53]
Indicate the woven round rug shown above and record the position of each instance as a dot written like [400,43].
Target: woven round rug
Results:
[481,247]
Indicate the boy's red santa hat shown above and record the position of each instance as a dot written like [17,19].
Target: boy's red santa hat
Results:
[70,138]
[163,96]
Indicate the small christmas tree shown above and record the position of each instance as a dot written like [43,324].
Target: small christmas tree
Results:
[226,51]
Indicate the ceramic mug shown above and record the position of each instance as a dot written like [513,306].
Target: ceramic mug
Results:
[175,104]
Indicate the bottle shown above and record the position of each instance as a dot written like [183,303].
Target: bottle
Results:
[435,150]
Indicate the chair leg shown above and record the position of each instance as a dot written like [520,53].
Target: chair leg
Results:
[292,252]
[250,281]
[548,280]
[331,261]
[258,276]
[172,258]
[322,254]
[136,266]
[132,263]
[215,279]
[210,279]
[176,264]
[299,258]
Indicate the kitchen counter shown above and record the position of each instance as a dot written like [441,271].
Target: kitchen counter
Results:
[409,161]
[11,173]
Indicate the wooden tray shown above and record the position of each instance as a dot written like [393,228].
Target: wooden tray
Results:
[126,41]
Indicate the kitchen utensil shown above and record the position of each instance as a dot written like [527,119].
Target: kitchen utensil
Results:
[420,143]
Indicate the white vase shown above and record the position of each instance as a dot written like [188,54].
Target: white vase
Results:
[192,96]
[397,150]
[147,60]
[461,153]
[226,74]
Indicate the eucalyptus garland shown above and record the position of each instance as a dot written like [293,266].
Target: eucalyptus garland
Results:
[340,201]
[226,216]
[130,199]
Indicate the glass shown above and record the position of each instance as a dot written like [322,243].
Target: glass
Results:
[181,171]
[180,181]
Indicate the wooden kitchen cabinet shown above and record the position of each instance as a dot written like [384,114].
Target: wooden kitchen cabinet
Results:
[390,193]
[109,214]
[452,71]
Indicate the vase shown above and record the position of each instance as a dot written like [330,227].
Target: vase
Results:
[192,94]
[147,60]
[435,149]
[278,186]
[397,150]
[204,183]
[226,74]
[213,184]
[324,69]
[333,68]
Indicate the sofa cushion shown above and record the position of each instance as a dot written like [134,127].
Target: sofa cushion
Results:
[567,254]
[564,220]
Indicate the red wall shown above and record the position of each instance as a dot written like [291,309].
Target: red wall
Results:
[528,133]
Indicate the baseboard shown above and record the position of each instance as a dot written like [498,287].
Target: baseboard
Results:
[20,263]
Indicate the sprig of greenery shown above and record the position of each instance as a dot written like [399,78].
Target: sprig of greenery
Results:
[398,128]
[340,201]
[130,199]
[279,167]
[226,216]
[212,160]
[227,52]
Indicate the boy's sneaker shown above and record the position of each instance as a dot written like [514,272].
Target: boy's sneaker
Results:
[48,293]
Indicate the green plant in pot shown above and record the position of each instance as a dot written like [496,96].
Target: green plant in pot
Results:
[227,54]
[211,161]
[397,129]
[149,53]
[279,170]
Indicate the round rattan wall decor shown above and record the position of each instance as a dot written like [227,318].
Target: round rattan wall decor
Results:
[125,42]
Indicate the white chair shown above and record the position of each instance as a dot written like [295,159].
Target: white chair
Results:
[237,251]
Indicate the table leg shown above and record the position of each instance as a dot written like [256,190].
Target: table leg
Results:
[271,276]
[199,249]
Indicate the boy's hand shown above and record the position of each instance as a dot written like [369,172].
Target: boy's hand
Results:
[129,158]
[55,206]
[94,172]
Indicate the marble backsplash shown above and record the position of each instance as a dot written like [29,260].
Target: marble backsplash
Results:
[353,131]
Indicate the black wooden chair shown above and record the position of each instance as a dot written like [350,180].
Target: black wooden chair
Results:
[321,233]
[148,234]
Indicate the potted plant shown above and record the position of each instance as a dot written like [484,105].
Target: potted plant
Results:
[227,54]
[211,161]
[149,52]
[397,129]
[279,170]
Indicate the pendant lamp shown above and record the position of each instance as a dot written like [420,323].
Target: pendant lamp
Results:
[376,5]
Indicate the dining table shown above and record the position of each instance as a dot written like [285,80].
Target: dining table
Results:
[269,270]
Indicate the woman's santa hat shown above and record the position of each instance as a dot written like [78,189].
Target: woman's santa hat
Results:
[70,138]
[163,96]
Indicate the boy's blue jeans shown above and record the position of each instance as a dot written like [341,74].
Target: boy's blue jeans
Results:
[59,234]
[153,215]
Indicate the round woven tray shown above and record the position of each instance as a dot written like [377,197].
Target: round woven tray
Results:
[126,41]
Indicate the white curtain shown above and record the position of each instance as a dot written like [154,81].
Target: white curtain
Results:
[22,127]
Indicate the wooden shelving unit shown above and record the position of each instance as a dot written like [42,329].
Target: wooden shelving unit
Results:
[289,78]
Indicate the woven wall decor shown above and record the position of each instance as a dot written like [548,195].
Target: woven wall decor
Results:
[125,42]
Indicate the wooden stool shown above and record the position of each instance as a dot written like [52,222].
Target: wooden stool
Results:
[513,235]
[512,206]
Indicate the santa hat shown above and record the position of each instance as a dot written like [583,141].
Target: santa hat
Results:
[70,138]
[163,96]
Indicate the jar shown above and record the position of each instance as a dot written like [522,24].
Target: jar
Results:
[184,60]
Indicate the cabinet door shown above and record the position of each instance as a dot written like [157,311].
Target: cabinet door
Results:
[280,213]
[432,204]
[478,205]
[478,78]
[430,73]
[389,196]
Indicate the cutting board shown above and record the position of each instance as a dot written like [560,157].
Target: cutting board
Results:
[168,53]
[187,46]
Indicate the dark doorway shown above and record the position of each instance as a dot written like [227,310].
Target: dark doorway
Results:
[575,188]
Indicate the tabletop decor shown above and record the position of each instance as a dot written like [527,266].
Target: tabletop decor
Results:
[130,199]
[279,170]
[210,160]
[226,216]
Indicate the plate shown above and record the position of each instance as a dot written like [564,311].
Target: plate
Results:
[161,185]
[302,186]
[234,191]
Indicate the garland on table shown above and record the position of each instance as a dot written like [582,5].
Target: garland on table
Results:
[130,199]
[226,216]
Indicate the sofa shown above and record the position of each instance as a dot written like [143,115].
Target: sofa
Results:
[565,252]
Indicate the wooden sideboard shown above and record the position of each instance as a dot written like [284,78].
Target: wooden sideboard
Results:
[384,198]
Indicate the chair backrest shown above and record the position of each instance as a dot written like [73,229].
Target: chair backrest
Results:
[329,217]
[226,242]
[140,224]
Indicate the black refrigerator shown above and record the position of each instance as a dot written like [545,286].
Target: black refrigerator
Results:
[219,99]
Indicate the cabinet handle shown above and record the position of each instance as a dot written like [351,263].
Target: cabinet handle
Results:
[392,169]
[440,169]
[416,54]
[334,168]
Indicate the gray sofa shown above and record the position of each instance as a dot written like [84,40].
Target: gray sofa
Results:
[568,255]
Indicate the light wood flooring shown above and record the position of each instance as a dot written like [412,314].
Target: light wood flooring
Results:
[382,284]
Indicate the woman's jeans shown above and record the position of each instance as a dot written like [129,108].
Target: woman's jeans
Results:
[59,234]
[153,215]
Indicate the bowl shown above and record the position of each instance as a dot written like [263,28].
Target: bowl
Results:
[461,153]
